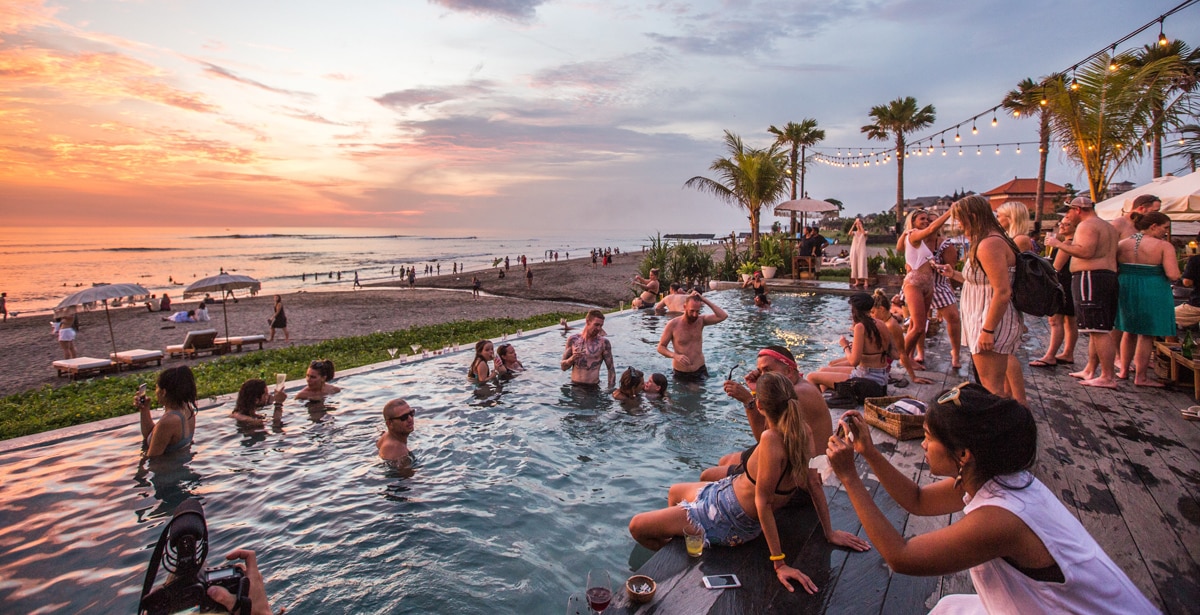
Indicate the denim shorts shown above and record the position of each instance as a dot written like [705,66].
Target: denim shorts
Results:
[718,512]
[878,375]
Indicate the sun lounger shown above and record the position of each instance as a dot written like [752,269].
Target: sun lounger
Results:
[237,342]
[82,367]
[201,340]
[137,357]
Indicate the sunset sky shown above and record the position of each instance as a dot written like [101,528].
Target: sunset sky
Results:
[499,115]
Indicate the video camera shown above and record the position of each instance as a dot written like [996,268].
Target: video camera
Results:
[181,550]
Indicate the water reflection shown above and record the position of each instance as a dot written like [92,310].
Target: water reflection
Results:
[172,479]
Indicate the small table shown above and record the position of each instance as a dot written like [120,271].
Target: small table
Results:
[1192,366]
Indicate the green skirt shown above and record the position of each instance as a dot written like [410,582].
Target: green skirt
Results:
[1146,305]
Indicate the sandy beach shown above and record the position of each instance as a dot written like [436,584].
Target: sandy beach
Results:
[28,347]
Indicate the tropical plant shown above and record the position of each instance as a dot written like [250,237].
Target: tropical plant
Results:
[894,262]
[1170,99]
[750,178]
[658,254]
[1029,99]
[1188,146]
[893,121]
[874,263]
[797,137]
[727,269]
[748,267]
[689,264]
[771,247]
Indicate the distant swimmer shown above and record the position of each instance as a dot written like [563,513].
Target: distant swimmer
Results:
[649,290]
[685,334]
[586,351]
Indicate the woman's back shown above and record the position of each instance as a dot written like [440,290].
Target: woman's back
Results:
[1143,250]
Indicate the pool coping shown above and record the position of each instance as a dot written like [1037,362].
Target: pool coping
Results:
[63,434]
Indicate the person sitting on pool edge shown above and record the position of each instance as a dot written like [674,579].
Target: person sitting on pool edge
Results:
[631,387]
[316,379]
[1026,552]
[252,396]
[176,391]
[738,508]
[399,421]
[585,352]
[649,288]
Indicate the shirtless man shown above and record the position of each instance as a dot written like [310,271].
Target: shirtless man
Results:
[1142,205]
[686,334]
[673,302]
[780,360]
[586,351]
[399,421]
[649,290]
[1093,288]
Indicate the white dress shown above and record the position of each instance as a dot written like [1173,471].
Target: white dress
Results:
[858,256]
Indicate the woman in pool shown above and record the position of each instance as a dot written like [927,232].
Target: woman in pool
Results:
[316,379]
[480,369]
[656,384]
[738,508]
[252,396]
[176,391]
[1026,552]
[631,385]
[506,360]
[868,356]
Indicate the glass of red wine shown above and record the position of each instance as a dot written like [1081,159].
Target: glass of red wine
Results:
[599,590]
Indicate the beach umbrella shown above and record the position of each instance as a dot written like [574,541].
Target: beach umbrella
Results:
[102,293]
[222,283]
[803,207]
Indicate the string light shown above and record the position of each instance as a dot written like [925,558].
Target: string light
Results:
[978,152]
[1016,113]
[1018,148]
[1162,38]
[974,130]
[960,150]
[993,118]
[956,135]
[1112,63]
[997,150]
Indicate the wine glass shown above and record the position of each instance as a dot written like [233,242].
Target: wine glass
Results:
[599,589]
[576,605]
[392,353]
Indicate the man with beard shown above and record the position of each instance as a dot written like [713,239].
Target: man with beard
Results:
[398,425]
[586,351]
[686,334]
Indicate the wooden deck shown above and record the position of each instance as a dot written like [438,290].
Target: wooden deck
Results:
[1123,461]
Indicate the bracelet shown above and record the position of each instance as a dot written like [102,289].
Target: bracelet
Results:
[776,558]
[989,331]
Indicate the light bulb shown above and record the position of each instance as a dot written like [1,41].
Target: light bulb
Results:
[1074,84]
[957,137]
[1018,149]
[974,130]
[993,120]
[1016,113]
[997,150]
[960,151]
[978,152]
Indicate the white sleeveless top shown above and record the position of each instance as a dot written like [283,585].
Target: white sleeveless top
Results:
[917,255]
[1093,583]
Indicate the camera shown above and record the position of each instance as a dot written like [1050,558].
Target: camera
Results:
[181,550]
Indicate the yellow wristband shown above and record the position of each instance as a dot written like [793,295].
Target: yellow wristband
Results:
[776,558]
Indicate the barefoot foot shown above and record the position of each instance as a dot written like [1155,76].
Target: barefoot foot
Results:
[1100,383]
[1082,374]
[1148,383]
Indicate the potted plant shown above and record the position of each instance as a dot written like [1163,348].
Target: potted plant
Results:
[747,269]
[771,257]
[893,269]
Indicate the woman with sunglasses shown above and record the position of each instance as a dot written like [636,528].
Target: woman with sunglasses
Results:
[316,379]
[1026,552]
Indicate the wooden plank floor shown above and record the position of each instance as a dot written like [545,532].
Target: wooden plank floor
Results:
[1123,461]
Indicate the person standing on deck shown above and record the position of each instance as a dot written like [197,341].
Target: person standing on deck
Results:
[686,334]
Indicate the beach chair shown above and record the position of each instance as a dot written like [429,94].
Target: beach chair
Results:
[196,342]
[235,343]
[82,367]
[136,358]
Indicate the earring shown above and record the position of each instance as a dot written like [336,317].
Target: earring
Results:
[958,479]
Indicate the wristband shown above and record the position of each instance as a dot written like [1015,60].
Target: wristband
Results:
[776,558]
[989,331]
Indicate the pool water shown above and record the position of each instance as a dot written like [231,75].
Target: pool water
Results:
[516,492]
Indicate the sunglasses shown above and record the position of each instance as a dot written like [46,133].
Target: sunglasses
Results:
[730,377]
[403,417]
[953,395]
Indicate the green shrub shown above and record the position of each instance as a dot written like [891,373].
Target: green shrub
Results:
[771,251]
[874,263]
[689,264]
[893,263]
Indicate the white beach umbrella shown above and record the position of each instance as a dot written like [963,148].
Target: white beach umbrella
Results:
[803,207]
[102,293]
[221,283]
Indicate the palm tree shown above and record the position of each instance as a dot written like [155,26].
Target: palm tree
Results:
[1188,147]
[798,137]
[897,119]
[1104,116]
[1028,99]
[749,177]
[1170,98]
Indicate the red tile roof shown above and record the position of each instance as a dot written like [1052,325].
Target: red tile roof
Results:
[1023,186]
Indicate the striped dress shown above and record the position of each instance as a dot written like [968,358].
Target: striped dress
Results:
[976,299]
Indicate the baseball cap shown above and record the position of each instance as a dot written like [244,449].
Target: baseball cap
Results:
[1079,202]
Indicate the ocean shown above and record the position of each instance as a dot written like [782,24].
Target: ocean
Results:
[40,266]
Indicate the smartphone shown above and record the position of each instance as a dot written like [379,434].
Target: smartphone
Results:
[843,433]
[142,389]
[722,581]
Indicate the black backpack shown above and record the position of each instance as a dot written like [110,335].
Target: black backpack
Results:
[1035,288]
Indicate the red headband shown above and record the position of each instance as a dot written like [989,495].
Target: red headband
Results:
[778,356]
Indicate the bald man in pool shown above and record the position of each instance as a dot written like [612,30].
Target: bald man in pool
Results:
[685,335]
[399,421]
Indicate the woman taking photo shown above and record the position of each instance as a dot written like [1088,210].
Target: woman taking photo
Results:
[507,363]
[1147,266]
[737,508]
[918,282]
[316,381]
[858,255]
[176,392]
[1026,552]
[867,356]
[991,325]
[480,369]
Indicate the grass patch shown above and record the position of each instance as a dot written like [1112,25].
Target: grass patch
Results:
[50,408]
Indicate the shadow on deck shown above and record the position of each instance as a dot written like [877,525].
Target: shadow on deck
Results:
[1123,461]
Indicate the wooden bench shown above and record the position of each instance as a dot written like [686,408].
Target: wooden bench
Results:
[235,343]
[137,358]
[82,367]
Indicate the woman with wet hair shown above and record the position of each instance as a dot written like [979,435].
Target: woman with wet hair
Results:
[506,360]
[631,385]
[867,356]
[316,379]
[175,390]
[252,396]
[1026,552]
[883,312]
[656,384]
[480,369]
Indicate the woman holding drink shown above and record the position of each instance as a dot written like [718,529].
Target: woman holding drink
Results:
[254,395]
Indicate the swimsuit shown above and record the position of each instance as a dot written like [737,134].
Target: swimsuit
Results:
[1096,294]
[694,376]
[917,257]
[185,436]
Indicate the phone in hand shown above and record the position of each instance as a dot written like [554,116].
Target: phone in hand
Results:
[141,392]
[721,581]
[844,432]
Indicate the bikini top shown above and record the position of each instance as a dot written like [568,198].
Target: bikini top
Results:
[786,470]
[185,435]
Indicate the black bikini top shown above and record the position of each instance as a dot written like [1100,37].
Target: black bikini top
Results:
[786,470]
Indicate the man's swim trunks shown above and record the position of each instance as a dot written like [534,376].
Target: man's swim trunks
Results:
[696,376]
[1095,294]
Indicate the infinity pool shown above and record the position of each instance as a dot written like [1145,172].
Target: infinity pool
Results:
[517,491]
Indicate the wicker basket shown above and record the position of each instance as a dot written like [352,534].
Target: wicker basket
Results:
[899,426]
